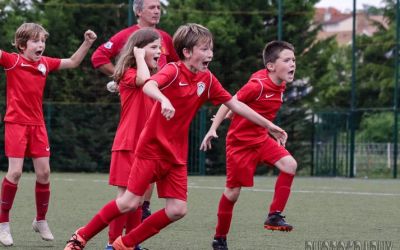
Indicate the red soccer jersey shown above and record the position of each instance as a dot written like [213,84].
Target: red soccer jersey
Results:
[25,85]
[264,97]
[187,91]
[111,49]
[135,109]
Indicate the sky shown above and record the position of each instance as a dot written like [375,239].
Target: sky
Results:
[344,5]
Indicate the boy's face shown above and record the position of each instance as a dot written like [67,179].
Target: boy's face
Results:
[34,48]
[150,15]
[200,57]
[283,68]
[153,52]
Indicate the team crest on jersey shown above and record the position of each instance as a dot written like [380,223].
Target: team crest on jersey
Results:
[42,68]
[201,86]
[108,45]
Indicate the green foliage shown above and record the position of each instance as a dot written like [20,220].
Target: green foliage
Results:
[376,127]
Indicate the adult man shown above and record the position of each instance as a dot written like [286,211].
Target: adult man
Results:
[148,14]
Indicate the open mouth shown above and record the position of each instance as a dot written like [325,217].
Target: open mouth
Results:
[39,52]
[205,64]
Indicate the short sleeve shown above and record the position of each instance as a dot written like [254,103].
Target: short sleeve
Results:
[250,91]
[217,94]
[129,78]
[8,60]
[166,75]
[53,63]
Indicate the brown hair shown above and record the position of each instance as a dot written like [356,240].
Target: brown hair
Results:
[126,58]
[273,49]
[28,31]
[188,35]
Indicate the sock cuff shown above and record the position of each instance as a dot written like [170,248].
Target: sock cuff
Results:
[9,183]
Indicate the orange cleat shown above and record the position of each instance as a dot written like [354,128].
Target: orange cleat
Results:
[76,242]
[119,245]
[275,221]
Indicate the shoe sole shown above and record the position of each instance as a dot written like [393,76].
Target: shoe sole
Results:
[278,228]
[5,245]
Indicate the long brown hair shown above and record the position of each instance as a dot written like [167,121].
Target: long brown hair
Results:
[126,58]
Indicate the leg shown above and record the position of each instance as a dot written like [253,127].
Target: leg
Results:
[146,211]
[42,196]
[116,226]
[225,212]
[8,190]
[287,165]
[174,210]
[115,208]
[10,186]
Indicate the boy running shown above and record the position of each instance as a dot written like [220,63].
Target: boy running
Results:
[161,153]
[25,131]
[248,144]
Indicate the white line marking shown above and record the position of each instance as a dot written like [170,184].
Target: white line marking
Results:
[249,189]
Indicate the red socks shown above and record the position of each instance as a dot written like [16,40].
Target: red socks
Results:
[149,227]
[42,196]
[225,210]
[282,192]
[109,212]
[133,220]
[128,221]
[116,228]
[8,191]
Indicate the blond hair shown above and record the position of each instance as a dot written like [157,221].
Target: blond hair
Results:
[28,31]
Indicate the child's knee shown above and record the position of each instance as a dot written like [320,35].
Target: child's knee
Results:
[43,175]
[14,176]
[176,212]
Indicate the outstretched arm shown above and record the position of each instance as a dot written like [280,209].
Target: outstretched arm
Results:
[151,89]
[77,57]
[212,132]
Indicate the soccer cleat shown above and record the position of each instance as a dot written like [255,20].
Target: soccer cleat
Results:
[146,211]
[43,229]
[275,221]
[219,244]
[76,242]
[5,234]
[119,245]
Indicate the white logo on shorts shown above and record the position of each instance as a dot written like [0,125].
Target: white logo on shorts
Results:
[47,148]
[108,45]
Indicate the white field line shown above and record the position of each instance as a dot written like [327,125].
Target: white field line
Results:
[190,186]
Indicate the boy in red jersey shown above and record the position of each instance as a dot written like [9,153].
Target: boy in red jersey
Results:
[136,62]
[161,153]
[248,144]
[25,131]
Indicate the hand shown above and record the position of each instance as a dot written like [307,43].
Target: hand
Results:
[167,110]
[206,143]
[112,87]
[279,134]
[139,52]
[90,36]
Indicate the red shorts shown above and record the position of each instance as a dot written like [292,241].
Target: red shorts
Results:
[26,141]
[241,161]
[171,179]
[120,167]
